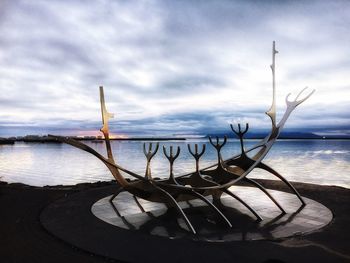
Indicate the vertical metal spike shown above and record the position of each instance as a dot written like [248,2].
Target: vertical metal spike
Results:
[272,111]
[105,129]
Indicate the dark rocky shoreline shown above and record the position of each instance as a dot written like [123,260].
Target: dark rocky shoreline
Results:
[23,239]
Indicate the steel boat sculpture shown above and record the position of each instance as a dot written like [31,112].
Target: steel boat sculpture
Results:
[201,183]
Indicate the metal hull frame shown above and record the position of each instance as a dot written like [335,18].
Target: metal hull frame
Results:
[210,181]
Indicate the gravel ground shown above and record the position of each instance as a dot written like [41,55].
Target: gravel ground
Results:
[23,239]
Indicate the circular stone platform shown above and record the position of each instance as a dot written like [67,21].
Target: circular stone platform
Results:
[155,219]
[88,221]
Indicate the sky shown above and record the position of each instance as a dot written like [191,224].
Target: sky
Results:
[171,67]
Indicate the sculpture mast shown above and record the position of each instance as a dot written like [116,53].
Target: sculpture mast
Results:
[272,111]
[105,129]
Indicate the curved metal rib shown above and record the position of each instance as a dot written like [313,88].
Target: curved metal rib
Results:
[120,189]
[272,171]
[178,208]
[253,182]
[210,204]
[126,222]
[110,165]
[138,204]
[258,217]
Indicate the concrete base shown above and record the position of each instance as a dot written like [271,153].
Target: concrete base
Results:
[156,219]
[159,236]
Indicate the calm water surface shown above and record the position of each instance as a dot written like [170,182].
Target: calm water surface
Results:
[311,161]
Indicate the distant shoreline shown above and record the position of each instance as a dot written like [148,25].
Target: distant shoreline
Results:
[147,139]
[12,142]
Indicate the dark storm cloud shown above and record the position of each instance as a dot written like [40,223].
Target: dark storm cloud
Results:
[170,65]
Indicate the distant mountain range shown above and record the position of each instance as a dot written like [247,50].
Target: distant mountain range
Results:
[249,135]
[283,135]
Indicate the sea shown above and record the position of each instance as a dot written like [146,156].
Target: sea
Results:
[325,162]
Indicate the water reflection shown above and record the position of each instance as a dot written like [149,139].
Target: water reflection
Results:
[311,161]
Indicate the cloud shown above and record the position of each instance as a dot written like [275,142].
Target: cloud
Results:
[169,64]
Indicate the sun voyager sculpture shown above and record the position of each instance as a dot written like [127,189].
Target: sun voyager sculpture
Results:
[209,181]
